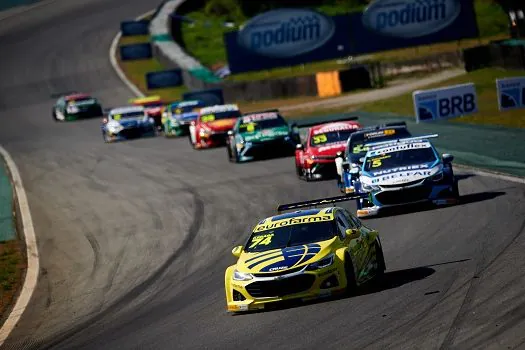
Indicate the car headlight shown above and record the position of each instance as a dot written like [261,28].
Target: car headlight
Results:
[72,109]
[438,176]
[369,188]
[204,132]
[241,276]
[115,128]
[324,262]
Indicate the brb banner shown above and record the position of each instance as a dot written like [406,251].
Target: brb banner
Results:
[444,103]
[511,93]
[287,37]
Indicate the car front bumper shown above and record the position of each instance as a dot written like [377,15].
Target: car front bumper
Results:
[258,150]
[255,294]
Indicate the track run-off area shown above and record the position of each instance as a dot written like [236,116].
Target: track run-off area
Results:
[134,237]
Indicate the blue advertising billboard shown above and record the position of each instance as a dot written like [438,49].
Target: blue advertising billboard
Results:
[136,52]
[130,28]
[210,97]
[288,37]
[163,79]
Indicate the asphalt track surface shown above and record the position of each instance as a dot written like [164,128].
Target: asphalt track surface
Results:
[134,237]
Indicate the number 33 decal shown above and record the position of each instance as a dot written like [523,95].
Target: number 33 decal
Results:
[320,139]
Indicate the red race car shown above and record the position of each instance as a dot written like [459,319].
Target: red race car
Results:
[315,159]
[212,125]
[153,105]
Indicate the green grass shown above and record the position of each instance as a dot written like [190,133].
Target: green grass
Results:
[12,266]
[136,71]
[488,113]
[204,38]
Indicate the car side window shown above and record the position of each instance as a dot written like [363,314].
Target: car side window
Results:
[353,222]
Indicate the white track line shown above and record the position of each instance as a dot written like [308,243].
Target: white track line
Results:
[114,63]
[33,264]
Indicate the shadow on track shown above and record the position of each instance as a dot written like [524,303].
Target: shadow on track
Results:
[418,207]
[390,280]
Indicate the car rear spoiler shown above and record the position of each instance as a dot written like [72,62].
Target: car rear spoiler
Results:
[275,110]
[386,125]
[308,125]
[380,144]
[317,202]
[64,93]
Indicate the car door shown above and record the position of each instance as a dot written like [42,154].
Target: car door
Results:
[360,245]
[354,244]
[369,235]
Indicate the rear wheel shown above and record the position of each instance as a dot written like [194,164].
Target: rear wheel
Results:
[55,115]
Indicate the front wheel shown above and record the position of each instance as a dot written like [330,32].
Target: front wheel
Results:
[351,282]
[380,259]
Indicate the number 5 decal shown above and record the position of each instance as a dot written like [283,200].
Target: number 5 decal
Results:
[376,163]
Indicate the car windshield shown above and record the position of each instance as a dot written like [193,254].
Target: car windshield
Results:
[289,236]
[330,137]
[127,115]
[207,118]
[253,126]
[357,146]
[400,158]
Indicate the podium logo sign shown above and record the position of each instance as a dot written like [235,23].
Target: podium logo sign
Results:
[410,18]
[286,32]
[511,93]
[443,103]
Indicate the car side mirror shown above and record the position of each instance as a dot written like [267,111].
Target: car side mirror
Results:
[237,251]
[299,146]
[352,233]
[105,121]
[447,158]
[230,132]
[362,160]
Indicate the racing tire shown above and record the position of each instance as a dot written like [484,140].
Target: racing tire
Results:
[105,138]
[54,113]
[191,143]
[455,190]
[380,258]
[299,171]
[351,282]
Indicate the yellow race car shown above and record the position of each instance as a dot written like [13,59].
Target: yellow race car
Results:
[304,254]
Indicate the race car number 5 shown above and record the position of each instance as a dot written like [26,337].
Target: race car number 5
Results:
[258,240]
[376,163]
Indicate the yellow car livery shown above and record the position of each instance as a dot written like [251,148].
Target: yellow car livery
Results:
[305,254]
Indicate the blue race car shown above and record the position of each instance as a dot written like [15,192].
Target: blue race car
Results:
[348,164]
[178,116]
[405,171]
[127,123]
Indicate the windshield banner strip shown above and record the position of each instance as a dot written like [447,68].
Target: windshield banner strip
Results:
[293,221]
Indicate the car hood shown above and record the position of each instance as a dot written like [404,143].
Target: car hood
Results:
[267,134]
[222,124]
[328,150]
[153,110]
[284,259]
[401,175]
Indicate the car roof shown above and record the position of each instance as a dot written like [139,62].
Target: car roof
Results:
[76,96]
[146,99]
[335,126]
[127,109]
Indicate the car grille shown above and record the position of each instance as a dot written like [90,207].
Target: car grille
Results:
[278,273]
[219,138]
[131,132]
[279,288]
[326,169]
[406,184]
[276,146]
[407,195]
